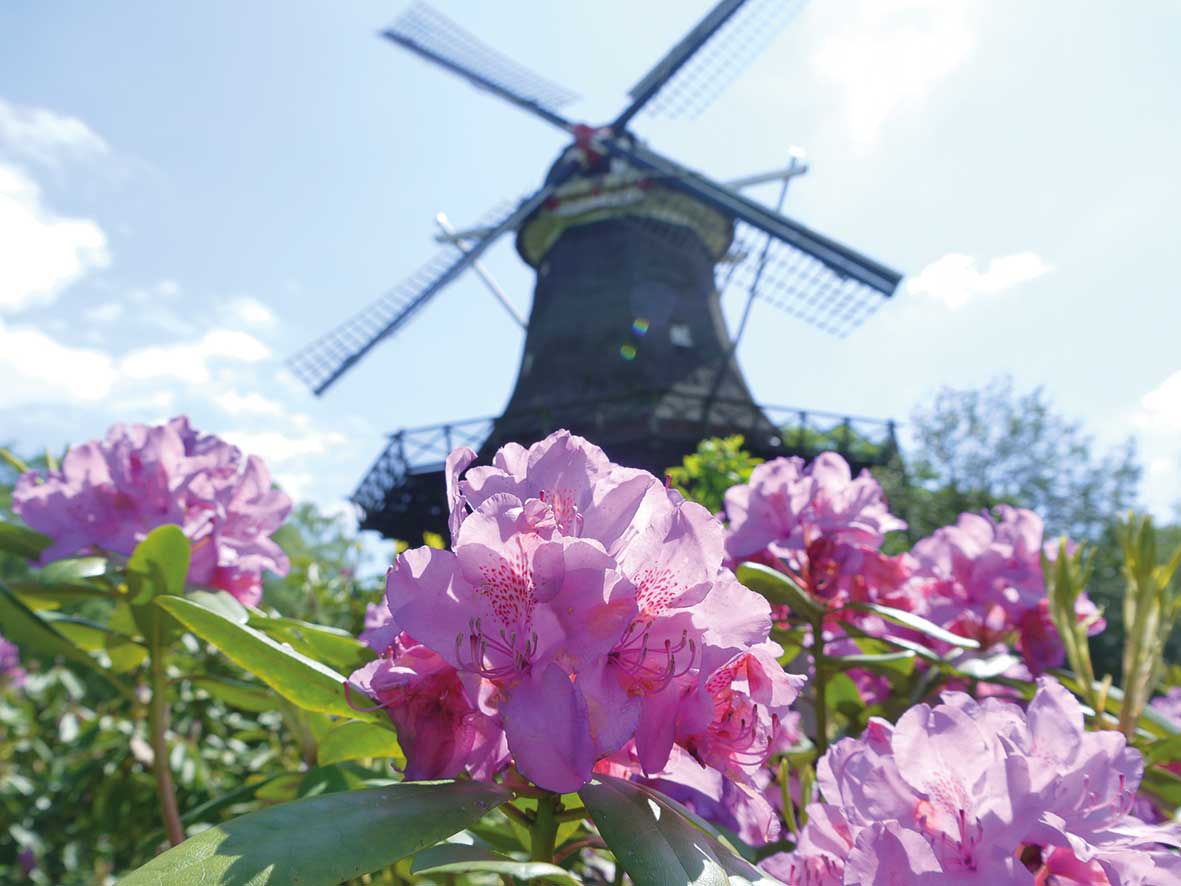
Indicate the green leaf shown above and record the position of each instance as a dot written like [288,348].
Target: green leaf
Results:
[843,697]
[352,740]
[916,623]
[11,459]
[900,664]
[236,693]
[223,603]
[985,667]
[84,634]
[917,648]
[329,780]
[38,595]
[22,626]
[282,788]
[334,647]
[302,681]
[22,541]
[74,569]
[124,652]
[157,567]
[780,589]
[456,858]
[1164,750]
[323,840]
[655,844]
[1163,784]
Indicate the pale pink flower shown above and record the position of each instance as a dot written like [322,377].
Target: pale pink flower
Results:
[109,494]
[982,578]
[12,675]
[981,792]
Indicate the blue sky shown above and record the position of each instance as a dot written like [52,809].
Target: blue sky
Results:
[190,192]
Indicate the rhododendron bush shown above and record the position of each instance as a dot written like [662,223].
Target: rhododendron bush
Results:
[597,679]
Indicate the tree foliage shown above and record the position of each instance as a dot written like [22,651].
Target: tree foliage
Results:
[975,448]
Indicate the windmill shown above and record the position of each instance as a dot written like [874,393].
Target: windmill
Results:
[625,341]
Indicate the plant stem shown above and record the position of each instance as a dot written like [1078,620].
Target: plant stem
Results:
[820,700]
[545,828]
[158,715]
[524,819]
[578,813]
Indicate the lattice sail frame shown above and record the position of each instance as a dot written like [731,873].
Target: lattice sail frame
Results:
[318,364]
[798,283]
[428,28]
[719,61]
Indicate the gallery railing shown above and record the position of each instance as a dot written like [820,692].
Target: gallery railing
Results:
[807,432]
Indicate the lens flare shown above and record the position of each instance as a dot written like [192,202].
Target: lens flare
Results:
[627,352]
[640,326]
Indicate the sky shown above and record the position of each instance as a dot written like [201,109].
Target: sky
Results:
[191,192]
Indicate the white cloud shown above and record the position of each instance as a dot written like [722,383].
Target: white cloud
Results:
[41,253]
[295,483]
[37,368]
[246,311]
[278,448]
[889,57]
[43,135]
[167,289]
[108,312]
[956,281]
[162,402]
[235,403]
[1160,408]
[190,362]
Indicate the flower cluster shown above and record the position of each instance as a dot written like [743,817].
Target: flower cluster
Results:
[582,612]
[982,578]
[11,673]
[981,792]
[824,528]
[818,523]
[109,494]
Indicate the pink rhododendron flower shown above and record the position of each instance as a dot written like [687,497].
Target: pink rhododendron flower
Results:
[823,527]
[981,792]
[11,672]
[1148,807]
[982,578]
[380,632]
[1169,705]
[591,605]
[820,525]
[786,506]
[441,726]
[109,494]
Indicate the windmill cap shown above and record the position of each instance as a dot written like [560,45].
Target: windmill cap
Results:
[622,193]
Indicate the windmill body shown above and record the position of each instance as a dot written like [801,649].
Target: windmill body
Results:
[626,342]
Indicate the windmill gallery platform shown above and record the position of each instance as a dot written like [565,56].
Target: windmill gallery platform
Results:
[625,343]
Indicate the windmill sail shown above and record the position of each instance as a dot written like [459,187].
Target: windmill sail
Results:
[431,35]
[798,283]
[838,258]
[329,357]
[698,68]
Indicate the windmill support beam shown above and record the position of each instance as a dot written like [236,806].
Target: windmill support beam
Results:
[460,242]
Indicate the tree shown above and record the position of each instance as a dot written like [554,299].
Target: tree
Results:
[976,448]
